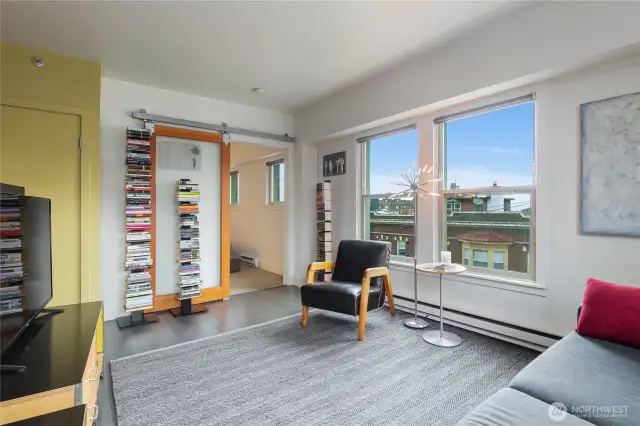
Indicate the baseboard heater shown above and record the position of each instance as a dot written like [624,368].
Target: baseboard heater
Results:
[248,260]
[508,332]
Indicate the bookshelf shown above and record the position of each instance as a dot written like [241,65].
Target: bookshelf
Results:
[139,230]
[323,227]
[188,262]
[12,257]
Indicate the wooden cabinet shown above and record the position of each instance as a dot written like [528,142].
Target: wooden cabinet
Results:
[63,355]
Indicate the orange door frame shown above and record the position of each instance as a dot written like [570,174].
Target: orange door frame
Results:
[169,301]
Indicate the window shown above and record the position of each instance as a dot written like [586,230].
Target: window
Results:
[388,218]
[235,188]
[481,258]
[275,177]
[401,248]
[453,206]
[498,260]
[487,165]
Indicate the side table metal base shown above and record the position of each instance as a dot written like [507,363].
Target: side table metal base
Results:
[448,340]
[416,323]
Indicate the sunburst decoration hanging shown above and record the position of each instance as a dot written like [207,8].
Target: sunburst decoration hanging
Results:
[416,182]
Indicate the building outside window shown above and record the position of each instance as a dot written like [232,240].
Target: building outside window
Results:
[487,165]
[401,248]
[388,219]
[498,259]
[453,206]
[275,182]
[235,188]
[481,258]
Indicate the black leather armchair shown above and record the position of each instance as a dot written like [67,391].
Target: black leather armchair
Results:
[360,282]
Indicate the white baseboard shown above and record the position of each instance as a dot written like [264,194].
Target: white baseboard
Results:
[487,328]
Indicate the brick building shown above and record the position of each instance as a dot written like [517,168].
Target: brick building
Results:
[482,231]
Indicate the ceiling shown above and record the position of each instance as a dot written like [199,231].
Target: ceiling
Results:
[297,51]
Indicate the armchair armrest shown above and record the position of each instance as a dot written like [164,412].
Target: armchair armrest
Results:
[375,272]
[317,266]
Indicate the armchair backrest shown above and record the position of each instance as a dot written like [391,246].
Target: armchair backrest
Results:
[354,256]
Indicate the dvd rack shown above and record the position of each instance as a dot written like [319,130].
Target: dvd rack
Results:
[323,227]
[12,255]
[138,227]
[188,276]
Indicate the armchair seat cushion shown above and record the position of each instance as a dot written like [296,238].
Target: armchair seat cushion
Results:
[340,296]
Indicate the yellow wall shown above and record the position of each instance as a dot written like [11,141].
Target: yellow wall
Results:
[71,86]
[257,229]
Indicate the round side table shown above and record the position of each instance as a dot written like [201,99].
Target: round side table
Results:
[441,337]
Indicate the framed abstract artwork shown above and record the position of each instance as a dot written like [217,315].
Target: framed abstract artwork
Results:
[610,166]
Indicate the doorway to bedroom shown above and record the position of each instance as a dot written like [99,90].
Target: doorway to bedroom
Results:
[257,197]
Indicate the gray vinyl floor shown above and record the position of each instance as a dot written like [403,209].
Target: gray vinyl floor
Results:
[238,312]
[249,279]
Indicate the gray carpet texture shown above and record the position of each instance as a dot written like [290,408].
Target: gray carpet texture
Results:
[280,373]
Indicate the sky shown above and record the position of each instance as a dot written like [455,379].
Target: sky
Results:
[494,146]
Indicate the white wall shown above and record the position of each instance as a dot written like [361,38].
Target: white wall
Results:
[118,100]
[525,44]
[565,259]
[208,179]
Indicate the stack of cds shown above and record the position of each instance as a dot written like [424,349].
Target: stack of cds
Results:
[189,281]
[323,226]
[12,270]
[138,219]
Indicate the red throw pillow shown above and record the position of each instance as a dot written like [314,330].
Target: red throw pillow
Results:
[611,312]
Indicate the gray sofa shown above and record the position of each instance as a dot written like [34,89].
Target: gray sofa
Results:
[596,380]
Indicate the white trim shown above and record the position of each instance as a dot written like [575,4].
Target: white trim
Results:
[506,283]
[486,328]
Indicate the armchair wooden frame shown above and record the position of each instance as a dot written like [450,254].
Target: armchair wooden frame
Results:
[364,297]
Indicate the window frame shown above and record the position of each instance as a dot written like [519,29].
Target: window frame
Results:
[440,152]
[270,180]
[237,174]
[363,143]
[473,255]
[504,260]
[404,243]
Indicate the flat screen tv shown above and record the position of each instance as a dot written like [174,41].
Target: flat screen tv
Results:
[25,258]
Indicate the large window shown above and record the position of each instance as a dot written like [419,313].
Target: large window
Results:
[388,218]
[235,188]
[487,163]
[275,178]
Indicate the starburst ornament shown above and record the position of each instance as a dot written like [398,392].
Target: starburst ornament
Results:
[416,182]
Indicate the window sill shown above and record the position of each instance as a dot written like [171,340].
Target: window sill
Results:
[275,206]
[507,283]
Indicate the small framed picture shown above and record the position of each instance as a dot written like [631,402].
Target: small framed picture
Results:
[334,164]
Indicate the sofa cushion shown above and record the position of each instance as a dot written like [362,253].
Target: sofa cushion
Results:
[339,296]
[586,374]
[511,407]
[611,312]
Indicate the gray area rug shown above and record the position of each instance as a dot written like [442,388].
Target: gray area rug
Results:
[279,373]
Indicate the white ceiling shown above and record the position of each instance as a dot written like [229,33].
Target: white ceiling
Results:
[297,51]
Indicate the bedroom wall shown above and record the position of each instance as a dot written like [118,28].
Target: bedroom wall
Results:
[119,99]
[258,229]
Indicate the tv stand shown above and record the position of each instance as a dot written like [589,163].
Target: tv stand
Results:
[63,355]
[48,312]
[12,368]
